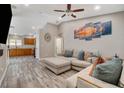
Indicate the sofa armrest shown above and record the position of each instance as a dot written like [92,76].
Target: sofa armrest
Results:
[85,80]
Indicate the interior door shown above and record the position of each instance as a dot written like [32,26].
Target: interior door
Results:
[59,45]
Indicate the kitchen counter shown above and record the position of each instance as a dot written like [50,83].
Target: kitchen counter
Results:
[22,51]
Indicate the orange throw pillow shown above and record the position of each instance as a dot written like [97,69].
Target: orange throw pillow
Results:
[99,60]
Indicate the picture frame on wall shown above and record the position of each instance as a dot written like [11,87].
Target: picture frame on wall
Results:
[93,30]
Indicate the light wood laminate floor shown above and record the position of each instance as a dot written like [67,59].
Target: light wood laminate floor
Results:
[26,72]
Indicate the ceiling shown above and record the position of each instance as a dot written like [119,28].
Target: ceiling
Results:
[53,17]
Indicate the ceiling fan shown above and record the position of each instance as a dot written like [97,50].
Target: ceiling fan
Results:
[69,12]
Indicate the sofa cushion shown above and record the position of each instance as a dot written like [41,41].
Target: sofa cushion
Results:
[56,62]
[121,81]
[66,58]
[68,53]
[80,63]
[76,68]
[81,55]
[107,70]
[58,70]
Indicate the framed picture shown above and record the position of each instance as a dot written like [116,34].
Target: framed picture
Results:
[93,30]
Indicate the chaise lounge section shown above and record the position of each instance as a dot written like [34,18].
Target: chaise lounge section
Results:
[57,65]
[61,64]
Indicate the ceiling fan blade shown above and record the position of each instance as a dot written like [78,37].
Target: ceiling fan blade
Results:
[77,10]
[59,10]
[73,15]
[63,15]
[69,6]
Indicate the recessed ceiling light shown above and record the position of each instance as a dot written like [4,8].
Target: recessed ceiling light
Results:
[97,7]
[33,27]
[26,5]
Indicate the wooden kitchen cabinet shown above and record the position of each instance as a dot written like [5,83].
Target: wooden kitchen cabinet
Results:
[21,52]
[29,41]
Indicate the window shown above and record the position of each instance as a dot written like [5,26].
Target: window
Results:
[18,42]
[14,42]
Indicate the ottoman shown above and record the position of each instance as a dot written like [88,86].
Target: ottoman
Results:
[57,65]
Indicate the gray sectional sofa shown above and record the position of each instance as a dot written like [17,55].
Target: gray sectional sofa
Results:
[83,80]
[60,64]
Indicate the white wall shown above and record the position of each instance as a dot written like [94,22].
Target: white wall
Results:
[47,49]
[108,45]
[23,26]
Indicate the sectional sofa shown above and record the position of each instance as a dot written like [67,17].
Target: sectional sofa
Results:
[60,64]
[83,80]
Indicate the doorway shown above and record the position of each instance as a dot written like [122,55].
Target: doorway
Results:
[59,45]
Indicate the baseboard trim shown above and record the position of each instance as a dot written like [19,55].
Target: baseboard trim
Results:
[4,73]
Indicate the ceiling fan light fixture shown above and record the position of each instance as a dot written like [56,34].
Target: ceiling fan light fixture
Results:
[69,11]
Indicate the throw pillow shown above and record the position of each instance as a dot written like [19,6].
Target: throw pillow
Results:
[81,55]
[75,53]
[68,53]
[87,55]
[99,60]
[109,71]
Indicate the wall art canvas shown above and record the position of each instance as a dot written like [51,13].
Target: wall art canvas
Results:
[93,30]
